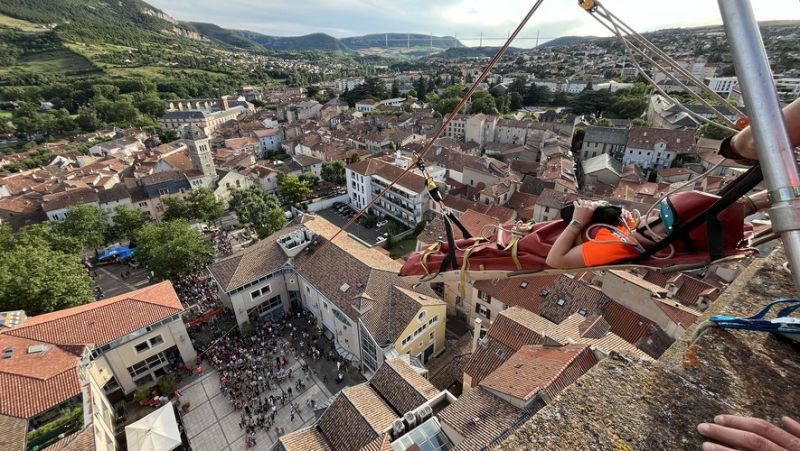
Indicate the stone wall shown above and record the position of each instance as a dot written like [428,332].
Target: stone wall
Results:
[630,405]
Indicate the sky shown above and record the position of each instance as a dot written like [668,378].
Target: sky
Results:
[465,19]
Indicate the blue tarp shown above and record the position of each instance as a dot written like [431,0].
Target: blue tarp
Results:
[119,251]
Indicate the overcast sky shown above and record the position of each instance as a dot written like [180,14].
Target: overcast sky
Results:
[461,18]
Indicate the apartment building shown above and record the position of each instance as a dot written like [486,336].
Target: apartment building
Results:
[407,201]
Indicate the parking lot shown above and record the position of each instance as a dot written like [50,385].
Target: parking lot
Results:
[363,233]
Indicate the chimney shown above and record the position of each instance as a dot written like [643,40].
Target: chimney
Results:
[476,334]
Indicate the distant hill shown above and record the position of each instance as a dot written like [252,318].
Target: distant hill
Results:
[568,40]
[222,36]
[315,41]
[400,40]
[472,52]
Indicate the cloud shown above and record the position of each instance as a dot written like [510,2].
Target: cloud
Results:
[494,19]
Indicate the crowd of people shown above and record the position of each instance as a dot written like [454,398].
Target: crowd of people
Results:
[221,243]
[197,289]
[256,373]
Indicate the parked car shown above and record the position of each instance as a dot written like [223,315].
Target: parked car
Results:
[382,223]
[380,239]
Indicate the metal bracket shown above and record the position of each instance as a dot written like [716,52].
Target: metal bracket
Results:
[784,194]
[588,5]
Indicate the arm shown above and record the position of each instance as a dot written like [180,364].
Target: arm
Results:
[744,144]
[563,254]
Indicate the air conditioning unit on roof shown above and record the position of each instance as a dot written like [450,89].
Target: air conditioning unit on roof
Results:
[424,413]
[398,428]
[410,420]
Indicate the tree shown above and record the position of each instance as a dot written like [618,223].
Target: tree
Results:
[432,97]
[293,189]
[604,123]
[44,235]
[711,132]
[87,223]
[483,102]
[640,123]
[261,212]
[177,208]
[39,280]
[174,249]
[167,136]
[395,89]
[311,180]
[128,221]
[333,172]
[311,91]
[515,101]
[87,119]
[446,106]
[627,108]
[204,205]
[355,157]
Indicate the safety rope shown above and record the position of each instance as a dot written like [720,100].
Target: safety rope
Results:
[424,151]
[623,32]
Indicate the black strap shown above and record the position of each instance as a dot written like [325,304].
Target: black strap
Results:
[728,195]
[458,224]
[450,258]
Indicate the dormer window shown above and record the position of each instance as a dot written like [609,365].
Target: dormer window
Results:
[561,302]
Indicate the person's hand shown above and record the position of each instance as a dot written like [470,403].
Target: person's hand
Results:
[750,434]
[584,209]
[628,219]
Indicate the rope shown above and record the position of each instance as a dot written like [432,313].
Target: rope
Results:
[424,151]
[618,27]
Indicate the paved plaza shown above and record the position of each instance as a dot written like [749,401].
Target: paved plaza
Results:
[212,424]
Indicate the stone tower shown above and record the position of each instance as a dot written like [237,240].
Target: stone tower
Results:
[200,153]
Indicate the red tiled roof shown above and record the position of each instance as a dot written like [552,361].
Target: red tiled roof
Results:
[626,323]
[103,321]
[523,292]
[646,138]
[536,368]
[31,383]
[678,313]
[576,296]
[479,416]
[390,172]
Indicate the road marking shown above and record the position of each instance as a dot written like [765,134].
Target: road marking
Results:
[117,279]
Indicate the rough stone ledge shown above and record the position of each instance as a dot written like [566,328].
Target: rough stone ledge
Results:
[623,404]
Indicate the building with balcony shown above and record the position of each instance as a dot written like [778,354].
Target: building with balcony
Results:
[59,377]
[406,201]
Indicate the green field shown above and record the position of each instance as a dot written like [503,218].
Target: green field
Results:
[10,22]
[50,61]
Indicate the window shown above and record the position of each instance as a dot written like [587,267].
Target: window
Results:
[308,290]
[459,301]
[523,285]
[484,296]
[483,311]
[182,190]
[561,302]
[157,340]
[431,335]
[640,324]
[163,191]
[260,292]
[544,293]
[547,209]
[142,347]
[421,316]
[582,312]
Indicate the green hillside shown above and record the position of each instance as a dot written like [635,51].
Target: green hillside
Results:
[222,36]
[315,41]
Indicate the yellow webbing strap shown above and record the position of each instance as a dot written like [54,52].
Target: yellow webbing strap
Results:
[465,266]
[431,249]
[513,246]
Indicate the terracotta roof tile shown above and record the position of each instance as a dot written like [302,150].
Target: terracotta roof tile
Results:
[69,198]
[536,368]
[371,406]
[13,432]
[512,329]
[31,383]
[479,416]
[626,323]
[569,331]
[680,141]
[306,439]
[344,427]
[569,296]
[382,443]
[523,292]
[103,321]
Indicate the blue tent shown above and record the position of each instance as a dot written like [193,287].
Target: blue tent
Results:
[117,251]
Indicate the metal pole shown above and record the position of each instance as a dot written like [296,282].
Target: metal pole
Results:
[776,155]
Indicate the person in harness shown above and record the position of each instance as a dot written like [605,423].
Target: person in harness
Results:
[621,237]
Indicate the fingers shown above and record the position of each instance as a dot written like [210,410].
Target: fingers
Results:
[792,426]
[747,433]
